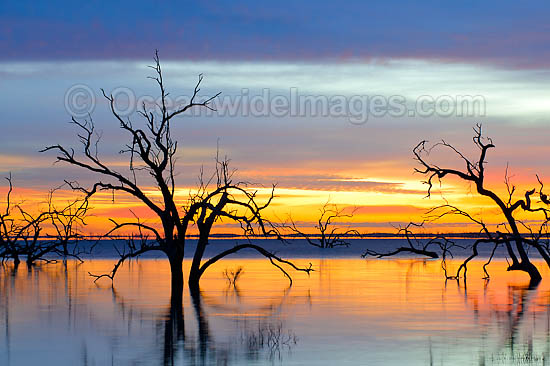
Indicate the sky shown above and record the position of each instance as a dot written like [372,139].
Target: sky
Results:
[299,89]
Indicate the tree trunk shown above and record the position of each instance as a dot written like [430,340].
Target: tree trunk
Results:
[193,283]
[530,269]
[525,264]
[29,261]
[195,273]
[176,269]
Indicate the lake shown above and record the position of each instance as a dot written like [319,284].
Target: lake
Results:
[350,311]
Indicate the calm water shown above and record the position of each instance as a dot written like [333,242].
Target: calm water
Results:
[349,312]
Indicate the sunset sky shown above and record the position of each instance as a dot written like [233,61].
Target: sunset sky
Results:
[498,52]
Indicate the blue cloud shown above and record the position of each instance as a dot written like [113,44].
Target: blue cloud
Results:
[494,31]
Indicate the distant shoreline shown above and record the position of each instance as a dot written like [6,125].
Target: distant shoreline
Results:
[223,236]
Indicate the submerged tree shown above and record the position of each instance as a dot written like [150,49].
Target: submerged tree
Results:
[415,244]
[152,150]
[232,201]
[515,234]
[41,233]
[327,234]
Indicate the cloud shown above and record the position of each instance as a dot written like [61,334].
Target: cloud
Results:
[327,183]
[512,33]
[310,158]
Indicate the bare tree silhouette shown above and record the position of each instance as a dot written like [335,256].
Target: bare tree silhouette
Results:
[24,232]
[232,276]
[415,244]
[327,234]
[231,201]
[152,150]
[514,234]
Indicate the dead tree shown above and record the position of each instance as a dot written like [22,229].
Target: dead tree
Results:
[231,201]
[513,234]
[327,235]
[152,150]
[28,233]
[20,231]
[415,245]
[67,222]
[233,275]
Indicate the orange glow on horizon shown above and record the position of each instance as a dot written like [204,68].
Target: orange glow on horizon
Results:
[377,210]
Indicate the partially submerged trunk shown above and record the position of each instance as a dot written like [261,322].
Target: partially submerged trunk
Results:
[524,264]
[530,269]
[176,269]
[195,272]
[175,257]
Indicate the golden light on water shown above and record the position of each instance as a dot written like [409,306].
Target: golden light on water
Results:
[355,305]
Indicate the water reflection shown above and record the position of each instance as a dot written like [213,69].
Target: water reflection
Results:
[508,322]
[349,312]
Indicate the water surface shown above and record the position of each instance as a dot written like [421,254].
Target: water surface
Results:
[348,312]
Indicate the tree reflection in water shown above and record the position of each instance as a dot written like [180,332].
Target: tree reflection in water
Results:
[505,322]
[513,348]
[262,335]
[379,312]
